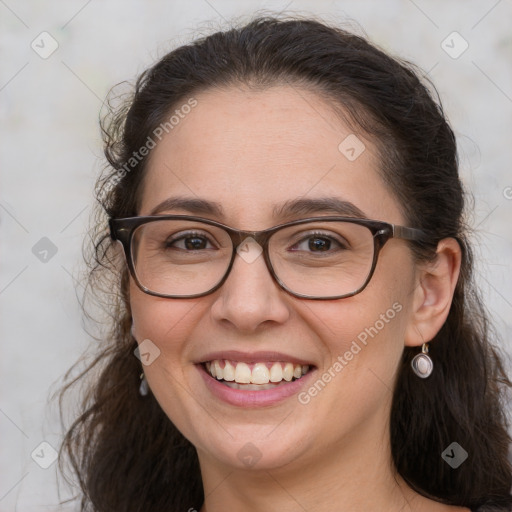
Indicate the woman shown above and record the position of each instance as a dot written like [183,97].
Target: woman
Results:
[294,325]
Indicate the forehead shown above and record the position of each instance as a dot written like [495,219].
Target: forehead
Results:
[251,151]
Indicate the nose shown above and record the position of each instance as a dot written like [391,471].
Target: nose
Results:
[250,297]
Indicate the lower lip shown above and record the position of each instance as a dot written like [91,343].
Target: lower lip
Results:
[261,398]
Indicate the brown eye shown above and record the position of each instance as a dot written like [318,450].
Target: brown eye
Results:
[319,242]
[189,242]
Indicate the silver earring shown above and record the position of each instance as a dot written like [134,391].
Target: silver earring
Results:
[143,388]
[421,364]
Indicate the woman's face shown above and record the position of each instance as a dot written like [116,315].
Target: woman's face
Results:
[251,152]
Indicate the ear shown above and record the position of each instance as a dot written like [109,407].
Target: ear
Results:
[432,297]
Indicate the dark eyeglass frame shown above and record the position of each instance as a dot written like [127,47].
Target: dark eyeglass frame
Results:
[122,230]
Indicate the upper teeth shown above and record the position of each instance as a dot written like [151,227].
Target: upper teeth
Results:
[261,373]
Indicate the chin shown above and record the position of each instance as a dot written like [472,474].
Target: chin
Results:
[253,448]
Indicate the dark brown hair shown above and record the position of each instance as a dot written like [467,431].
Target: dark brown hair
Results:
[126,453]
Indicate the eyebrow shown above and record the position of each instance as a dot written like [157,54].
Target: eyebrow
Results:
[189,204]
[303,206]
[291,208]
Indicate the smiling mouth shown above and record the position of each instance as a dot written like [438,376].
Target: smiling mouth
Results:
[255,376]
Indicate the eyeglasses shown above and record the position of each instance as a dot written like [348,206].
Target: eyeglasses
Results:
[181,256]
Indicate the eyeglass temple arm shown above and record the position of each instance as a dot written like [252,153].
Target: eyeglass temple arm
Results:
[408,233]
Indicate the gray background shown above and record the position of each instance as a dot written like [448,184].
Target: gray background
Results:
[50,153]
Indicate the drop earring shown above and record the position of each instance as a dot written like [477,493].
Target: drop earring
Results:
[143,388]
[422,364]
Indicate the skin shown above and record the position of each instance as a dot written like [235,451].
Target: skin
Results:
[249,150]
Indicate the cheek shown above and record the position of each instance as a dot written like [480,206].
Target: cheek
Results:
[362,331]
[167,323]
[152,314]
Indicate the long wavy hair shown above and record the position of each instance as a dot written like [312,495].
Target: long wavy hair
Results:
[124,451]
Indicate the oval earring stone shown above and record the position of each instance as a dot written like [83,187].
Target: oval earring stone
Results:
[422,365]
[144,387]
